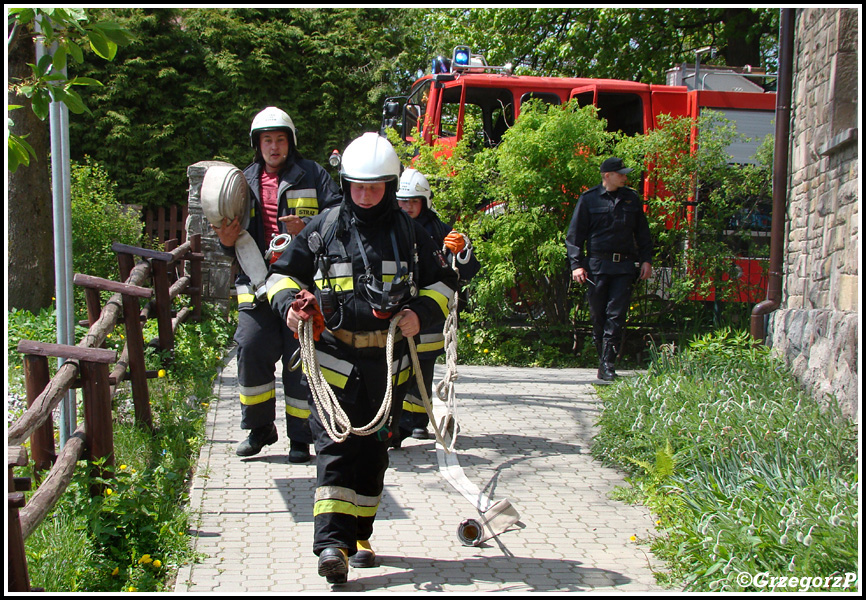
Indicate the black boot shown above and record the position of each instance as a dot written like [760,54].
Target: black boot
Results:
[606,370]
[299,452]
[259,438]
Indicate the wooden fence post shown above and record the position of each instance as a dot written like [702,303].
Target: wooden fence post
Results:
[130,294]
[19,579]
[98,424]
[36,378]
[163,304]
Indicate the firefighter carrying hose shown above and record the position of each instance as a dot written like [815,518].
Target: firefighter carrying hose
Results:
[416,198]
[287,190]
[367,263]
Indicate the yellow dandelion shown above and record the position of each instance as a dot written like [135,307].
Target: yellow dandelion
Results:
[486,351]
[131,589]
[122,467]
[633,538]
[157,563]
[205,404]
[115,571]
[659,522]
[108,491]
[145,559]
[161,373]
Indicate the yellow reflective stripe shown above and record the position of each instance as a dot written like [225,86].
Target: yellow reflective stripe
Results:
[431,346]
[344,284]
[367,511]
[304,202]
[282,283]
[412,407]
[297,412]
[334,378]
[250,399]
[335,370]
[334,506]
[405,370]
[440,293]
[246,298]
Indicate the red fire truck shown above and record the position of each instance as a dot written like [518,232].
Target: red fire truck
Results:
[465,85]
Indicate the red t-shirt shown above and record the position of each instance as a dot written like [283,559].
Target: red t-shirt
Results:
[270,185]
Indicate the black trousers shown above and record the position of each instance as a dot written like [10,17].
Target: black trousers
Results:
[350,475]
[609,301]
[263,340]
[414,414]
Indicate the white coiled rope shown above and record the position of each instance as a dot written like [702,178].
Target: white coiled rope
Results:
[337,423]
[333,417]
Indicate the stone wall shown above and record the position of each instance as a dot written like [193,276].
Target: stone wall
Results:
[217,278]
[816,328]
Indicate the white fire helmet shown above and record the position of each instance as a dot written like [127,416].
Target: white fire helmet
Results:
[413,184]
[270,119]
[370,158]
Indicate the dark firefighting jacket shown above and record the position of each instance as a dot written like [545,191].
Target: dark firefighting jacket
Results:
[305,189]
[614,229]
[299,268]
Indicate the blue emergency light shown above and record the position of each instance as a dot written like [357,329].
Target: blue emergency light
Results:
[441,65]
[462,54]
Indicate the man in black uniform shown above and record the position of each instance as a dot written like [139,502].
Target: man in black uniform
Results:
[366,262]
[286,192]
[610,220]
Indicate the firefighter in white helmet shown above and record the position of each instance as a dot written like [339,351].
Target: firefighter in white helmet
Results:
[366,262]
[286,191]
[415,197]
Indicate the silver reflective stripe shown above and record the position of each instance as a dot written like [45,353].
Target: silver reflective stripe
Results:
[343,367]
[333,492]
[337,270]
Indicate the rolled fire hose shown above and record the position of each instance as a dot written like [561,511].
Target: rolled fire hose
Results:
[225,195]
[494,518]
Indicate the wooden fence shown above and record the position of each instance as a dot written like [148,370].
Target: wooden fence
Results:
[165,222]
[87,367]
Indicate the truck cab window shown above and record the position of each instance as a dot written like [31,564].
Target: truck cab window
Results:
[415,110]
[623,112]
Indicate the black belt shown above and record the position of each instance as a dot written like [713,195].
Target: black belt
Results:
[614,256]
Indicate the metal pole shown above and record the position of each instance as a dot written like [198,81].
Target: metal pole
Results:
[61,194]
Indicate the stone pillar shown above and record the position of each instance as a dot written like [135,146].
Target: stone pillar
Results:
[217,272]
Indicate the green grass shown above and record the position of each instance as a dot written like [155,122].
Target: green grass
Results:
[746,472]
[134,536]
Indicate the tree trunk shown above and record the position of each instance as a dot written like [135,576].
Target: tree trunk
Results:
[30,249]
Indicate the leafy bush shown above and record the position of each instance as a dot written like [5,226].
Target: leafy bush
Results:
[98,220]
[133,536]
[745,470]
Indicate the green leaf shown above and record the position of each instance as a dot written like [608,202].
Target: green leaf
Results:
[71,99]
[24,15]
[113,32]
[84,81]
[101,45]
[19,152]
[76,52]
[40,102]
[60,58]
